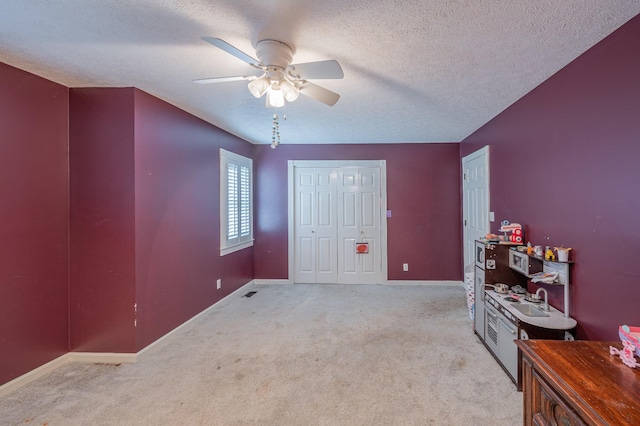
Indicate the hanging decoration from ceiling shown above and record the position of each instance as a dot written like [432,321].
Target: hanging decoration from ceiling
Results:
[275,134]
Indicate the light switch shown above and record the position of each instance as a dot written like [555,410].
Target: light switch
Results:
[492,217]
[388,213]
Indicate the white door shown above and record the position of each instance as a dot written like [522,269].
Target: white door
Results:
[359,222]
[315,224]
[475,200]
[335,208]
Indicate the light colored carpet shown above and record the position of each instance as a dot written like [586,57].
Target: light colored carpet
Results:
[294,355]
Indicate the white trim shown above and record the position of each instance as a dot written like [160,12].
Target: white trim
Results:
[32,375]
[291,209]
[102,357]
[475,154]
[236,247]
[182,326]
[381,164]
[383,220]
[427,283]
[269,281]
[335,163]
[105,357]
[434,283]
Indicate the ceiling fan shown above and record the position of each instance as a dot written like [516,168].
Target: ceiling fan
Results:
[280,80]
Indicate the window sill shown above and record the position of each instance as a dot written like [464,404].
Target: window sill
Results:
[231,249]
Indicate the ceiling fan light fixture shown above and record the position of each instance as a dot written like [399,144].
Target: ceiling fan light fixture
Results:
[289,90]
[275,97]
[259,86]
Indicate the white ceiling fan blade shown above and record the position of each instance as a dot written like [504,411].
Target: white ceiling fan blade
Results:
[318,93]
[317,70]
[221,44]
[223,79]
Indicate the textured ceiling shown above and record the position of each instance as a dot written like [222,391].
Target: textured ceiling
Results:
[415,70]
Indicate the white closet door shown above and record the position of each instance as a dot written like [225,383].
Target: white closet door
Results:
[334,208]
[359,221]
[315,225]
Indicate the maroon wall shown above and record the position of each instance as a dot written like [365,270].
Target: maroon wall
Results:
[111,205]
[33,221]
[102,254]
[564,162]
[177,217]
[145,217]
[423,193]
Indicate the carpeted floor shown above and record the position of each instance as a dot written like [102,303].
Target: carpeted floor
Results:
[294,355]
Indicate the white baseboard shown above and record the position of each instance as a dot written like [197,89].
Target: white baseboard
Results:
[32,375]
[103,357]
[389,282]
[267,281]
[426,283]
[185,324]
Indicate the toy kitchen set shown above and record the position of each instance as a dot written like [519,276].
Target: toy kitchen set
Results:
[504,309]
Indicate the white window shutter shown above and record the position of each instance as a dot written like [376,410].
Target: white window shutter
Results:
[236,202]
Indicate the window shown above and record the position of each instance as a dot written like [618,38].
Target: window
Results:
[236,206]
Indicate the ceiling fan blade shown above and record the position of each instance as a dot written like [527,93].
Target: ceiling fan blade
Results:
[316,70]
[223,79]
[318,93]
[221,44]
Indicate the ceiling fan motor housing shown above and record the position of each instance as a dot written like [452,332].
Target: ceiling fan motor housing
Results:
[274,53]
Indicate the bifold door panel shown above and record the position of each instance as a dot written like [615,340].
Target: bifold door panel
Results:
[337,210]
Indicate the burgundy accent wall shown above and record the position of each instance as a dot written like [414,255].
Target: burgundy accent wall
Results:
[33,221]
[423,193]
[145,219]
[177,218]
[102,223]
[564,162]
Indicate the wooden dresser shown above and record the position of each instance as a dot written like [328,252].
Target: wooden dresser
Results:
[577,383]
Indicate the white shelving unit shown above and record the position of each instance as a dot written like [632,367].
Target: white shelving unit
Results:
[524,263]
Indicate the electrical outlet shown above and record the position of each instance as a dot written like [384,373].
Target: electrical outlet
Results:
[405,267]
[219,284]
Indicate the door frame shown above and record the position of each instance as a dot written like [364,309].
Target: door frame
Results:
[484,151]
[291,166]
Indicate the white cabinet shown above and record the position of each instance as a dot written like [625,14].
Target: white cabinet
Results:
[491,329]
[507,333]
[501,329]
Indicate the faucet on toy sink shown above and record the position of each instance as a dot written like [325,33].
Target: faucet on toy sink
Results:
[545,306]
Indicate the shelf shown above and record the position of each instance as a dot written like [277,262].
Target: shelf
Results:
[498,242]
[562,268]
[522,262]
[541,258]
